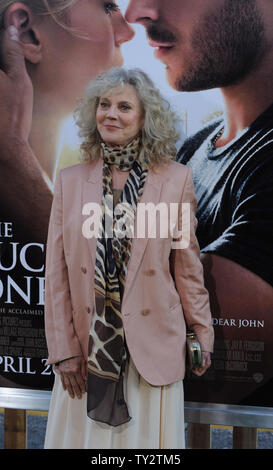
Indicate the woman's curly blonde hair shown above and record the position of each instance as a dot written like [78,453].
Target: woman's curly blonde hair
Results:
[159,134]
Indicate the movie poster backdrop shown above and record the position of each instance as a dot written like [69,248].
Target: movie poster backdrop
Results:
[242,367]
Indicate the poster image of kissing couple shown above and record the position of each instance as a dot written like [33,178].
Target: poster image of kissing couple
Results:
[213,61]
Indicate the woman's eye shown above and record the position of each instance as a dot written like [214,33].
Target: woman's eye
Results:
[124,107]
[110,7]
[103,105]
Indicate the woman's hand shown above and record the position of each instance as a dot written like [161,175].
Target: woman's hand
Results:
[16,91]
[73,372]
[206,364]
[29,206]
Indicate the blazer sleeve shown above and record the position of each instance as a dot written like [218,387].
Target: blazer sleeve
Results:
[188,274]
[62,342]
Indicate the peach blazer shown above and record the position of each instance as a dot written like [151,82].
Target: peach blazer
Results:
[164,288]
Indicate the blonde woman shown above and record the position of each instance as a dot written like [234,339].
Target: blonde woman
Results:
[50,49]
[117,302]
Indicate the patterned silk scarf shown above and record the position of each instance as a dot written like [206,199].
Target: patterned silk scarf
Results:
[107,346]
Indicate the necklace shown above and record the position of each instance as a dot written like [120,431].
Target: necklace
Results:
[216,137]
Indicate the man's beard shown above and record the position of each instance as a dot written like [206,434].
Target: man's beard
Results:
[226,45]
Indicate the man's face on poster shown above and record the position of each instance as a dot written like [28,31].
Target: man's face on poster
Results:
[203,43]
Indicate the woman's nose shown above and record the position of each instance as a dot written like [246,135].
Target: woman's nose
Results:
[111,112]
[123,31]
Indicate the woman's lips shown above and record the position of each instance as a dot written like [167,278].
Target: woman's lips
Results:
[111,127]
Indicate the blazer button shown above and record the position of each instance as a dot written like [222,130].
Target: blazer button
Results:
[88,309]
[145,312]
[83,268]
[150,272]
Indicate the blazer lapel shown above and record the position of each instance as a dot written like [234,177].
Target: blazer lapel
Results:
[151,194]
[92,192]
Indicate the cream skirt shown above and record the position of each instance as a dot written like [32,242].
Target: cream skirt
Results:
[157,418]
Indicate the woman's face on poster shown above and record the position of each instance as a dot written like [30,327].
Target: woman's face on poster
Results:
[62,60]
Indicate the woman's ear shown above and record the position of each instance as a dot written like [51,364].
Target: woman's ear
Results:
[20,15]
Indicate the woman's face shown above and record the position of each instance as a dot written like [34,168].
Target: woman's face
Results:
[71,59]
[120,116]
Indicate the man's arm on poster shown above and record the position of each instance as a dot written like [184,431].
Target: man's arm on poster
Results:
[235,292]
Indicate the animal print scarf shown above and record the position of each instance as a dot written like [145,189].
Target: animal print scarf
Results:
[107,345]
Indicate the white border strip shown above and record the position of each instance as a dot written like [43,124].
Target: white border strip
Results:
[202,413]
[24,399]
[229,415]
